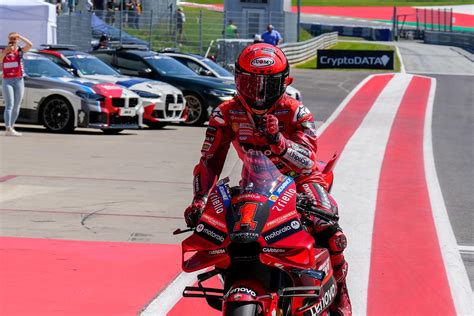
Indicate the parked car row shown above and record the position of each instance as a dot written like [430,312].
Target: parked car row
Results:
[121,88]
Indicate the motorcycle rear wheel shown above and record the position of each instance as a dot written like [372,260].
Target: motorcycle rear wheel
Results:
[241,309]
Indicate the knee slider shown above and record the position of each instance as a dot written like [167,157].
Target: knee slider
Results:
[337,242]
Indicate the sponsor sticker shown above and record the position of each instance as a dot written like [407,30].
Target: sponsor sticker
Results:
[224,194]
[282,231]
[210,233]
[327,296]
[241,290]
[273,250]
[283,200]
[261,62]
[216,203]
[217,116]
[281,112]
[281,219]
[211,220]
[301,112]
[216,252]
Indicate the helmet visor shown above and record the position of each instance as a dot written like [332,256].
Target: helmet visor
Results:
[260,91]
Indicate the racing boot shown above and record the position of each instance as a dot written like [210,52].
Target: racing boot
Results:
[342,303]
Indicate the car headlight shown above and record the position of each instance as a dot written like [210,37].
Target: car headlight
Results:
[146,94]
[89,96]
[221,93]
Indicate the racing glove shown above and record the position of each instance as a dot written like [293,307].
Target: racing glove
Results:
[193,212]
[275,139]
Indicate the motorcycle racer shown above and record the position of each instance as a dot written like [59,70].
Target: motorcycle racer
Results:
[261,117]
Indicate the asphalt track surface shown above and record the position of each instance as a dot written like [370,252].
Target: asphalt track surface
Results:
[87,218]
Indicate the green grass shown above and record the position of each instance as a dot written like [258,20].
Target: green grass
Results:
[362,3]
[311,63]
[163,37]
[305,35]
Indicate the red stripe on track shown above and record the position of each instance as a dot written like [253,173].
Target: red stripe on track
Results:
[383,13]
[337,134]
[60,277]
[407,275]
[196,306]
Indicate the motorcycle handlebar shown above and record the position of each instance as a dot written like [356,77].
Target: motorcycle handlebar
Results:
[323,214]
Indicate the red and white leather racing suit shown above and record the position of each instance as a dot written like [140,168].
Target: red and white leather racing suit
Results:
[293,155]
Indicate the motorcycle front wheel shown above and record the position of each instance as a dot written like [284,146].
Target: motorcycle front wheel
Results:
[241,309]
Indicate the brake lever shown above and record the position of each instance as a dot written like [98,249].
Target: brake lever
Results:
[182,231]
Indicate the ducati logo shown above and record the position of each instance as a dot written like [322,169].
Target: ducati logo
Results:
[261,62]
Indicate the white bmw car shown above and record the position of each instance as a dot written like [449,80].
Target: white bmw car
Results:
[163,103]
[61,102]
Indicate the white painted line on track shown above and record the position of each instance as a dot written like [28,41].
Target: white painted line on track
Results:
[470,74]
[167,298]
[356,185]
[402,65]
[461,291]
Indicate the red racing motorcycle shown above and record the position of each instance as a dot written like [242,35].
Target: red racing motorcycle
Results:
[253,237]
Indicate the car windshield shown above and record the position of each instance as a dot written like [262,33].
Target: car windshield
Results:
[42,67]
[91,65]
[168,66]
[220,70]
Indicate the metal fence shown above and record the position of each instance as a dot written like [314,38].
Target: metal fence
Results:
[75,29]
[440,20]
[434,19]
[298,52]
[163,29]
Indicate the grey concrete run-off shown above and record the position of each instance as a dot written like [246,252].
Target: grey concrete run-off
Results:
[453,146]
[433,59]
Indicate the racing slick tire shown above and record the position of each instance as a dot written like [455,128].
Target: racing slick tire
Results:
[112,131]
[57,115]
[197,113]
[240,309]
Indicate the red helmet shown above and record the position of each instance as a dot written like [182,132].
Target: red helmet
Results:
[261,73]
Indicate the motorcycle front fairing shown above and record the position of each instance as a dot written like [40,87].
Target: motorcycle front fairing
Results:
[261,210]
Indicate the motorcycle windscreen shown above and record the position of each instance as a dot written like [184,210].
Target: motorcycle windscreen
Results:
[250,207]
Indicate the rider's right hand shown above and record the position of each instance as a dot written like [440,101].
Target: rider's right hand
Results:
[193,212]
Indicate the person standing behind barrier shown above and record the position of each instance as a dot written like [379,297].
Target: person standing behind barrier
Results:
[13,85]
[231,30]
[132,7]
[271,36]
[180,20]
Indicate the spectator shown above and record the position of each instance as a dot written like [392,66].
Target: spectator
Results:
[271,36]
[59,7]
[231,31]
[103,42]
[132,7]
[112,7]
[71,4]
[180,20]
[13,85]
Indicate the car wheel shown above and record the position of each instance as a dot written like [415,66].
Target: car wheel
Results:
[113,131]
[156,125]
[197,114]
[57,115]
